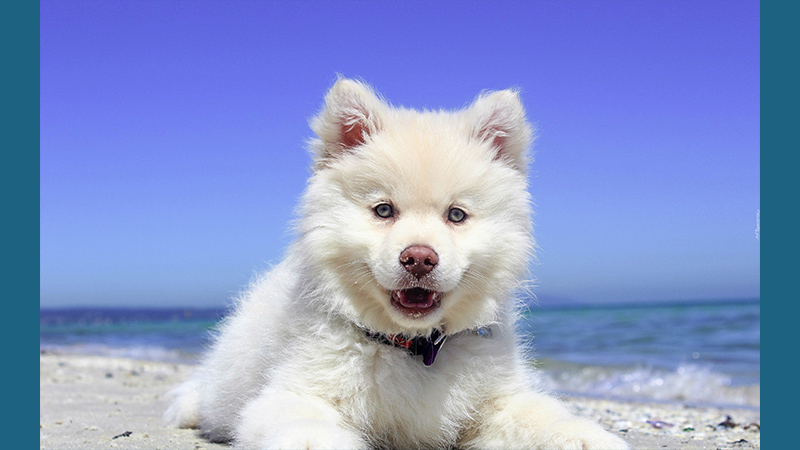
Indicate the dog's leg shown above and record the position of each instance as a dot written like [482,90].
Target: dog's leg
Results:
[183,412]
[530,420]
[279,419]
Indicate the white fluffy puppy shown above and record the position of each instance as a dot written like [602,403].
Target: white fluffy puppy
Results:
[390,324]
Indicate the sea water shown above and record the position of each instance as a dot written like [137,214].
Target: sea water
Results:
[693,353]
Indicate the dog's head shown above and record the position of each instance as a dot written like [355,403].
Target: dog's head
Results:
[417,220]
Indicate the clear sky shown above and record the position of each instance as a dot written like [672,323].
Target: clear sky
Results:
[172,135]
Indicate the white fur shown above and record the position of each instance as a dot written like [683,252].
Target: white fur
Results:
[292,367]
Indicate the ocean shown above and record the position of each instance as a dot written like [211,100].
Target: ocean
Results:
[705,354]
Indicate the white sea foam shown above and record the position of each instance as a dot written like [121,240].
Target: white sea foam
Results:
[688,384]
[142,352]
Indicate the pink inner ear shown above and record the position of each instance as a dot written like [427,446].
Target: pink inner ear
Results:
[352,134]
[499,144]
[497,135]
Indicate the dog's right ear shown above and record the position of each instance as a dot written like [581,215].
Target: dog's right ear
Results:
[351,115]
[499,120]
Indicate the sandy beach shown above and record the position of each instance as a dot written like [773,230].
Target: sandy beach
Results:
[92,402]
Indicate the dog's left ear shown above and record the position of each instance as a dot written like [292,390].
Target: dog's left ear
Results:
[499,119]
[351,115]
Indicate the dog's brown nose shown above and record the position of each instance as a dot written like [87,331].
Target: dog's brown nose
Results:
[419,260]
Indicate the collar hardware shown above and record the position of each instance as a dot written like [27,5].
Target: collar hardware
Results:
[426,346]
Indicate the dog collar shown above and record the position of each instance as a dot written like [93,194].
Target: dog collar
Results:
[428,347]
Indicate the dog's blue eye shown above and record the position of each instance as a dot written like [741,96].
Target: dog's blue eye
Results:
[456,215]
[384,210]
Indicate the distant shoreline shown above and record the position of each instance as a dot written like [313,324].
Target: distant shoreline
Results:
[650,304]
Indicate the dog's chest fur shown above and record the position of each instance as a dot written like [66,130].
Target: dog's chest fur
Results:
[390,395]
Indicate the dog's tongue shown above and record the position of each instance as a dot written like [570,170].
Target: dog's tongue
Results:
[417,298]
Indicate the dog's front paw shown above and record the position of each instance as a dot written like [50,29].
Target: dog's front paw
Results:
[305,435]
[581,434]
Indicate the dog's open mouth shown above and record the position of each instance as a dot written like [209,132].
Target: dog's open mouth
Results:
[416,302]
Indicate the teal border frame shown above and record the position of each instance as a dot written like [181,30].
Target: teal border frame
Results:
[19,181]
[780,77]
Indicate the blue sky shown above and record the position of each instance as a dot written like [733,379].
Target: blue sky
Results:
[172,136]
